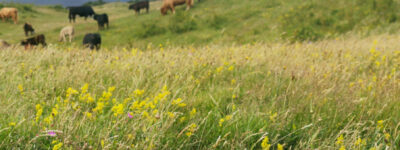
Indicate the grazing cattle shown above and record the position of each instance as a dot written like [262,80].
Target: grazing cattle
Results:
[83,11]
[140,5]
[34,41]
[28,29]
[170,5]
[67,31]
[102,20]
[4,44]
[92,40]
[6,13]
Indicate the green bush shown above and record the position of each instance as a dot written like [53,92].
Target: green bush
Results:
[148,29]
[314,20]
[58,8]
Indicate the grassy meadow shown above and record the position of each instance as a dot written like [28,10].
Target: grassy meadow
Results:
[210,78]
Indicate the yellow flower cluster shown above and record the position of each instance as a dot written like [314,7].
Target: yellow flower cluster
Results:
[265,144]
[39,111]
[226,118]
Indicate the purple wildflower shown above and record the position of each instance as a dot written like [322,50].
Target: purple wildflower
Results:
[130,116]
[52,133]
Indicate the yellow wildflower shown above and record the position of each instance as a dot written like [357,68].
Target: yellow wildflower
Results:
[71,92]
[342,147]
[233,96]
[89,115]
[387,136]
[339,140]
[12,124]
[182,119]
[233,81]
[380,124]
[102,143]
[176,101]
[39,111]
[193,112]
[221,121]
[231,68]
[84,88]
[188,133]
[138,92]
[280,147]
[111,89]
[118,109]
[273,116]
[219,69]
[99,107]
[21,88]
[171,115]
[264,144]
[58,146]
[182,105]
[228,117]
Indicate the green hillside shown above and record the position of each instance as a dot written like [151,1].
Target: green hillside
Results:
[223,21]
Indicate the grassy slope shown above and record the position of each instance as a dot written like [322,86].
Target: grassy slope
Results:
[304,96]
[241,22]
[211,21]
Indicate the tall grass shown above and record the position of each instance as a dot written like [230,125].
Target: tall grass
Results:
[328,95]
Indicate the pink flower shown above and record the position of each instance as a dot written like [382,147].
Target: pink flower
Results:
[130,116]
[52,133]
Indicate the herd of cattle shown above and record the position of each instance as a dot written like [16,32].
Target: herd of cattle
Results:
[90,40]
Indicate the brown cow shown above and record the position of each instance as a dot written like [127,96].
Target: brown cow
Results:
[170,5]
[6,13]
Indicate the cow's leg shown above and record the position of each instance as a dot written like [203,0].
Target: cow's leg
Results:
[147,9]
[173,9]
[70,18]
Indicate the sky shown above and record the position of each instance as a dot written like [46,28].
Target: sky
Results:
[55,2]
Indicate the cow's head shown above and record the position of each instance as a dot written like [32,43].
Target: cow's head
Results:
[24,42]
[95,17]
[163,10]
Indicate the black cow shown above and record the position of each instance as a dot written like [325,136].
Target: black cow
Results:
[140,5]
[92,40]
[28,28]
[83,11]
[34,41]
[102,20]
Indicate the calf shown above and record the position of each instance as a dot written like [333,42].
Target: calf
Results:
[92,40]
[102,19]
[83,11]
[28,29]
[140,5]
[34,41]
[67,31]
